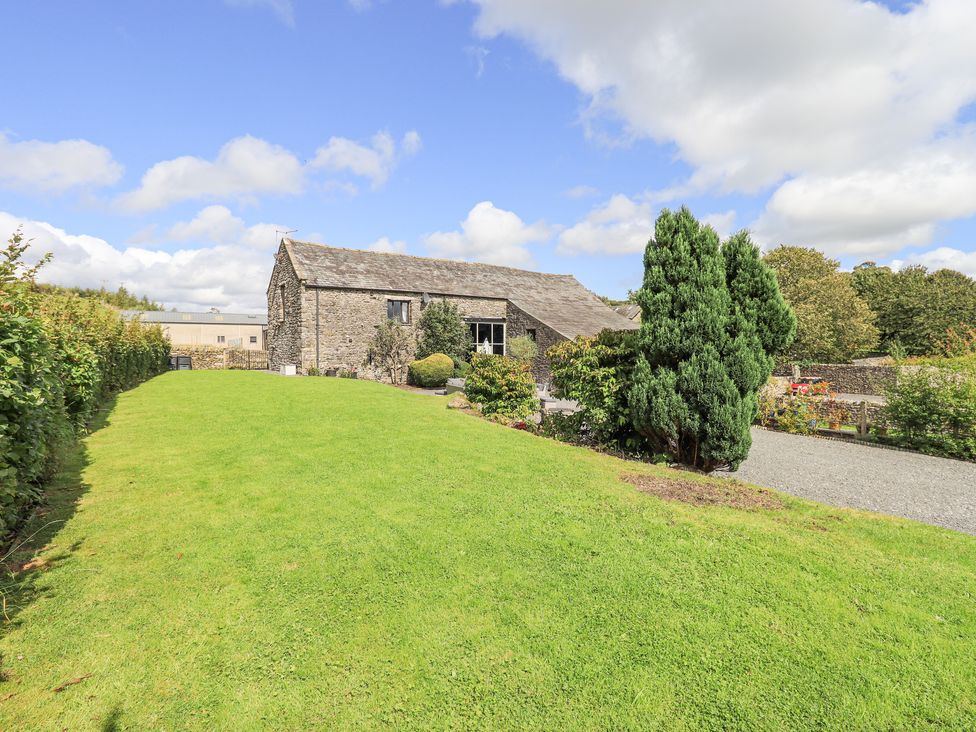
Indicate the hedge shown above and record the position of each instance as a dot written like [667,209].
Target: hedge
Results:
[434,370]
[61,356]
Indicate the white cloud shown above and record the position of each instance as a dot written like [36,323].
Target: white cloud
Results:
[835,95]
[581,192]
[247,167]
[244,167]
[941,258]
[231,278]
[54,167]
[624,225]
[411,143]
[375,161]
[478,54]
[620,226]
[877,210]
[217,225]
[723,223]
[383,244]
[491,235]
[283,9]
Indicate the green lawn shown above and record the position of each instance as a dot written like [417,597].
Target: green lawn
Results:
[256,552]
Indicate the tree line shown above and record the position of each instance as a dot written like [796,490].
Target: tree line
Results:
[120,298]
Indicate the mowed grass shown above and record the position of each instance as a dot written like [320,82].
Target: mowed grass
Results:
[258,552]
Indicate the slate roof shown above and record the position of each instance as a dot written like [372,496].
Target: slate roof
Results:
[629,310]
[165,316]
[559,301]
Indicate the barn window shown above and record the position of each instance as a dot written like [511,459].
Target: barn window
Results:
[494,333]
[530,332]
[398,310]
[281,302]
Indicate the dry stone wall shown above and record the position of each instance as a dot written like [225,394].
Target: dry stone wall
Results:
[209,358]
[847,378]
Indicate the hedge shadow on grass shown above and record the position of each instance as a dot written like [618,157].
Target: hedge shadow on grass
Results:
[33,549]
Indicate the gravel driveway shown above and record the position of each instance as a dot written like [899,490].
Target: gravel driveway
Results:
[930,489]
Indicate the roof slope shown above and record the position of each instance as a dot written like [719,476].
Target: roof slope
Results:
[167,316]
[559,301]
[629,310]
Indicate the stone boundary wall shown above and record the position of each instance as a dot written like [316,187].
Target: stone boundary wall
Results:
[847,378]
[210,358]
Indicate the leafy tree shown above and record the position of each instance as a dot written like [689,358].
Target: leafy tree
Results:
[915,307]
[833,324]
[391,348]
[121,298]
[699,355]
[442,330]
[523,349]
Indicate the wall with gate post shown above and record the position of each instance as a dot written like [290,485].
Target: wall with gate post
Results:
[212,358]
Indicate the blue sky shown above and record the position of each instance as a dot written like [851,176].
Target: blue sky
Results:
[161,144]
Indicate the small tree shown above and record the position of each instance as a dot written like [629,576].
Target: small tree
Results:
[523,349]
[442,330]
[391,349]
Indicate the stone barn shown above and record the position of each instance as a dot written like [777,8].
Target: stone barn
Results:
[325,303]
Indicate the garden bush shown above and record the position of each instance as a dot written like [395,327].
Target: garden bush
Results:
[501,385]
[523,348]
[60,356]
[434,370]
[794,414]
[933,410]
[596,373]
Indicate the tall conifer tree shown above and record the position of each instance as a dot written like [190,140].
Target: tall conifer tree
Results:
[710,322]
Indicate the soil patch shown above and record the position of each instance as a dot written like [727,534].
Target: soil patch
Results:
[730,493]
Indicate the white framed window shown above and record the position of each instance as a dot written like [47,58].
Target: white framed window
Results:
[494,333]
[253,339]
[221,339]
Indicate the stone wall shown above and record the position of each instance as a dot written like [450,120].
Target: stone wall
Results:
[347,322]
[284,324]
[519,322]
[208,358]
[847,378]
